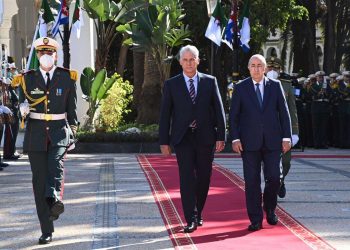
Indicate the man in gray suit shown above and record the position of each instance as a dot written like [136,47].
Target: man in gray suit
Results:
[192,119]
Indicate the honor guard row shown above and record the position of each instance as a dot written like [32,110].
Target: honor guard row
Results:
[9,119]
[322,104]
[48,103]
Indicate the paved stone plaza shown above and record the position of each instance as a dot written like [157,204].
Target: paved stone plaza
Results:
[109,204]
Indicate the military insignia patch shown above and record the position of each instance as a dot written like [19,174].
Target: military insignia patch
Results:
[37,91]
[58,92]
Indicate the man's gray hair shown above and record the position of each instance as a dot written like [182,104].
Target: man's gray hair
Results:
[259,57]
[189,48]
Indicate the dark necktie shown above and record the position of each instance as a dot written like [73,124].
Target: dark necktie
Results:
[48,79]
[193,97]
[192,91]
[258,94]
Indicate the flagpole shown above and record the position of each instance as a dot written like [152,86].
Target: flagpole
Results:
[32,48]
[235,44]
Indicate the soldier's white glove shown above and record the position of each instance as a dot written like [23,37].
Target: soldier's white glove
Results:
[295,139]
[24,108]
[6,110]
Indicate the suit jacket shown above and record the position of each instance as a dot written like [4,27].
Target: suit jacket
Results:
[255,126]
[178,111]
[61,98]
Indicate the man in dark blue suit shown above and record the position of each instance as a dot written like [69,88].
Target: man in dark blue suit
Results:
[192,119]
[260,131]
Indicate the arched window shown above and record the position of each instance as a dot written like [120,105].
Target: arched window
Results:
[271,52]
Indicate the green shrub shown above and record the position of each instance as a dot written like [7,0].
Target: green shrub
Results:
[114,107]
[113,136]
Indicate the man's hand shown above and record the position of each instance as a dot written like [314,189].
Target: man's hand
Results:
[237,147]
[220,145]
[165,149]
[286,146]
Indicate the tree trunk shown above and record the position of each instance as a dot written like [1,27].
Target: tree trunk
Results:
[123,52]
[139,63]
[149,106]
[311,36]
[329,38]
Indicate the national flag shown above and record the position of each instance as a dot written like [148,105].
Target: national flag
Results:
[77,21]
[231,29]
[62,18]
[214,29]
[45,18]
[33,62]
[245,27]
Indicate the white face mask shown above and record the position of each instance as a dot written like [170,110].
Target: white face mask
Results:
[46,61]
[272,74]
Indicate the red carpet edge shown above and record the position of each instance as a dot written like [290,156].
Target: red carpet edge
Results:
[168,211]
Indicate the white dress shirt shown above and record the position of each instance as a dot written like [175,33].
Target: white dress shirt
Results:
[43,72]
[195,82]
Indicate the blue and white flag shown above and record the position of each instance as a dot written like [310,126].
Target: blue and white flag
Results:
[62,18]
[230,29]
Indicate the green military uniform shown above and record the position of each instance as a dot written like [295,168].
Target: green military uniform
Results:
[50,126]
[290,98]
[300,106]
[320,110]
[46,140]
[344,110]
[273,70]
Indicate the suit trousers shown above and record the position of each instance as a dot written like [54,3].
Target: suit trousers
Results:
[252,175]
[47,178]
[195,168]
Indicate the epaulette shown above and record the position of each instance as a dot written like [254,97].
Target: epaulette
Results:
[17,80]
[73,73]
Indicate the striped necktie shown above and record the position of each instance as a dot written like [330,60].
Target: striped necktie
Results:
[192,91]
[193,97]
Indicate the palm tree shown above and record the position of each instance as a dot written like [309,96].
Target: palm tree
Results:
[107,15]
[157,29]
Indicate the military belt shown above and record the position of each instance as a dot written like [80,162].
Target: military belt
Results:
[321,100]
[47,117]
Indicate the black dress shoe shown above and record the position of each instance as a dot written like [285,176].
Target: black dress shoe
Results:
[45,238]
[271,217]
[1,168]
[191,227]
[200,221]
[4,165]
[12,157]
[282,192]
[56,208]
[255,227]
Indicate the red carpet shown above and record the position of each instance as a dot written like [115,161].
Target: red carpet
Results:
[225,217]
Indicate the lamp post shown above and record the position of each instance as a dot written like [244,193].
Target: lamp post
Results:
[210,8]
